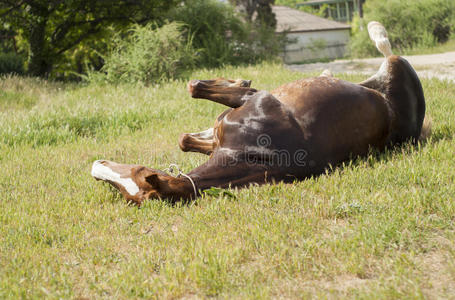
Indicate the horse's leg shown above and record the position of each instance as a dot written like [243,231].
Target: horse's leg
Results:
[197,142]
[223,172]
[378,35]
[228,82]
[232,96]
[202,142]
[399,83]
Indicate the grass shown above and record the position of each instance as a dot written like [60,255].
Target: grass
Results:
[381,227]
[448,46]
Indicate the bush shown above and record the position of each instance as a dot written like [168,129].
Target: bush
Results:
[214,28]
[222,37]
[410,24]
[204,31]
[11,63]
[147,54]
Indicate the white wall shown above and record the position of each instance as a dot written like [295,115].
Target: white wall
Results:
[316,45]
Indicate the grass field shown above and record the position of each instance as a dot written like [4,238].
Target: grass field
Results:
[381,227]
[448,46]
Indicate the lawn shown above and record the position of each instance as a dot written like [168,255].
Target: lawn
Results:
[448,46]
[380,227]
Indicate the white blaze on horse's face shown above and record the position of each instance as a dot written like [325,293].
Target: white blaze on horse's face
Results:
[102,172]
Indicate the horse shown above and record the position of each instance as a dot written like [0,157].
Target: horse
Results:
[292,133]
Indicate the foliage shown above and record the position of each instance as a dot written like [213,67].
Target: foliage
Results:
[222,37]
[380,227]
[213,36]
[53,28]
[64,38]
[7,39]
[11,63]
[216,32]
[289,3]
[262,8]
[415,23]
[147,54]
[322,11]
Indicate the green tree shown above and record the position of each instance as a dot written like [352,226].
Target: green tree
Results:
[290,3]
[263,9]
[53,27]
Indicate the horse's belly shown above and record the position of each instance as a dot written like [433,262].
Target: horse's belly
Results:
[338,119]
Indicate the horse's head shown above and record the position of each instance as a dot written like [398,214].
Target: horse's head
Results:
[138,183]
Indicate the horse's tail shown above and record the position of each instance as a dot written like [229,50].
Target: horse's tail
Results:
[378,34]
[425,132]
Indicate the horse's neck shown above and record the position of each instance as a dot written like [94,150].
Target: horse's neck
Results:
[215,173]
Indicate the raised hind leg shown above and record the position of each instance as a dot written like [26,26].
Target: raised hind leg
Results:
[378,35]
[399,83]
[228,92]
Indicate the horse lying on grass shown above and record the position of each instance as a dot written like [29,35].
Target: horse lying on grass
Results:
[294,132]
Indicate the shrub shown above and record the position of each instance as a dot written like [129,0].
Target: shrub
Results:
[410,23]
[204,31]
[147,54]
[11,63]
[222,37]
[214,28]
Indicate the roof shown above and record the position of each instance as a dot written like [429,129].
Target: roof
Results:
[293,20]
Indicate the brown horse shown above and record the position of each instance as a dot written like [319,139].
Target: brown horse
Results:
[294,132]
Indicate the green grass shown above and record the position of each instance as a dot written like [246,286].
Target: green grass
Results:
[448,46]
[381,227]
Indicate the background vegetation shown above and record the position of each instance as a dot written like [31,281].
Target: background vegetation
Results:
[63,38]
[416,24]
[48,31]
[147,54]
[381,227]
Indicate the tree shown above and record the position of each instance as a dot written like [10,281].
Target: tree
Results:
[263,9]
[53,27]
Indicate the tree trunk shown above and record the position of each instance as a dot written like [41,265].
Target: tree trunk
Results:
[39,63]
[361,8]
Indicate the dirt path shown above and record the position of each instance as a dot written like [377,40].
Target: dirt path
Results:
[441,65]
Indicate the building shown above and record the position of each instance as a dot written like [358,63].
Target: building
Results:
[310,37]
[338,10]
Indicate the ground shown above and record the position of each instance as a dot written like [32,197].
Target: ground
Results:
[441,65]
[380,227]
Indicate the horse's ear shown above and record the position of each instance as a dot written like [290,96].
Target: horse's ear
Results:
[153,180]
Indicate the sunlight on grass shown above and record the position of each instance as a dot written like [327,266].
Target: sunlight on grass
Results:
[379,227]
[448,46]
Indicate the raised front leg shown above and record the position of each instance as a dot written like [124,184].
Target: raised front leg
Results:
[221,91]
[201,142]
